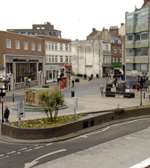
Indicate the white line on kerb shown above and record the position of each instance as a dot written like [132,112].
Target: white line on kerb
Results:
[35,161]
[142,164]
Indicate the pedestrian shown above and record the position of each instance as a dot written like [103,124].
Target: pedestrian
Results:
[102,90]
[6,114]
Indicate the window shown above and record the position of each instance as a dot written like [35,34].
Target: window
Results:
[17,44]
[70,59]
[49,46]
[66,59]
[144,36]
[25,45]
[130,51]
[130,37]
[33,46]
[56,59]
[144,67]
[52,59]
[137,36]
[52,45]
[8,43]
[39,47]
[49,59]
[129,67]
[141,51]
[61,58]
[61,46]
[55,45]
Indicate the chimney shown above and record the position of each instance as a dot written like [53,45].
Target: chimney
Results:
[94,29]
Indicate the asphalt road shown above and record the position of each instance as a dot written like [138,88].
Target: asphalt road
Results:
[25,155]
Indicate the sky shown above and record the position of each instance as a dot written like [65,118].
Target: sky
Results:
[75,18]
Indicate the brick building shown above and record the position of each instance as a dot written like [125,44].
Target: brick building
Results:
[21,58]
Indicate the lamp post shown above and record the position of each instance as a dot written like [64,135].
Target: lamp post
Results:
[2,94]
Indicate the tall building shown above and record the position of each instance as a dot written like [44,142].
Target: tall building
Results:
[137,41]
[39,29]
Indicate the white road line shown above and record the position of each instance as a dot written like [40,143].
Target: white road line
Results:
[2,155]
[22,149]
[142,164]
[9,153]
[18,153]
[83,136]
[35,161]
[49,144]
[39,147]
[28,150]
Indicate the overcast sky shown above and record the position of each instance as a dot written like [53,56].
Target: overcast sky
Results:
[75,18]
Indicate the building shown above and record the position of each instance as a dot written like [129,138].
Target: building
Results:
[137,42]
[116,48]
[91,57]
[21,59]
[39,29]
[57,58]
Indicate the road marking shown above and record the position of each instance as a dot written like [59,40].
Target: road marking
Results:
[35,161]
[11,152]
[142,164]
[2,155]
[18,153]
[39,147]
[96,132]
[22,149]
[49,144]
[28,150]
[83,136]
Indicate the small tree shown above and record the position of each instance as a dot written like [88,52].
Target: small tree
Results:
[51,100]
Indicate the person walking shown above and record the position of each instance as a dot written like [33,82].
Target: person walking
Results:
[6,114]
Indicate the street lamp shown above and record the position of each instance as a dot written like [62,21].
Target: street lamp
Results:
[2,94]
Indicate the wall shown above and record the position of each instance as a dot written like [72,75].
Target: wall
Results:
[87,122]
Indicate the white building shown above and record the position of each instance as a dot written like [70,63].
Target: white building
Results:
[91,57]
[57,57]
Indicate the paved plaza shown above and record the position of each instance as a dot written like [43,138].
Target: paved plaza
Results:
[89,101]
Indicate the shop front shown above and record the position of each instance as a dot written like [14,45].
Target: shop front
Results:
[23,71]
[53,72]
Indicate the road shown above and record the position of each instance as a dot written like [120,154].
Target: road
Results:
[25,155]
